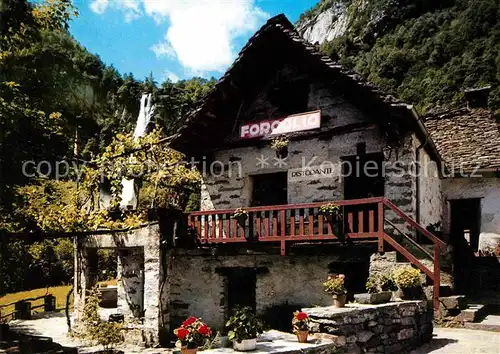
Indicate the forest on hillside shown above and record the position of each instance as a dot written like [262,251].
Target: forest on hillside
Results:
[425,52]
[53,90]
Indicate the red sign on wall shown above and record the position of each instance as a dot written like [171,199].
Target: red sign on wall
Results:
[290,124]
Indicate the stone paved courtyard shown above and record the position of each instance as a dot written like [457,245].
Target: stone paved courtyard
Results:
[445,341]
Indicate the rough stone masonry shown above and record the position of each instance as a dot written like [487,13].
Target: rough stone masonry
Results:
[386,328]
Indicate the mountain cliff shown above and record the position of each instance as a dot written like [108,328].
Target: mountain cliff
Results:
[424,51]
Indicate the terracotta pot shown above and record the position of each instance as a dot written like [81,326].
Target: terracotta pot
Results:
[302,336]
[185,350]
[339,300]
[411,293]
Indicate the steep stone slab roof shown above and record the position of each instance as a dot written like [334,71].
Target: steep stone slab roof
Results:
[465,138]
[256,60]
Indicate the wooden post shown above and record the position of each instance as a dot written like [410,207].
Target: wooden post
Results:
[437,277]
[283,231]
[380,226]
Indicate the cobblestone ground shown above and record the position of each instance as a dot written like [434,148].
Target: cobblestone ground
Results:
[461,341]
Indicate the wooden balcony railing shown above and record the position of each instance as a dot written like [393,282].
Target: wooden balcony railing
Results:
[287,223]
[362,219]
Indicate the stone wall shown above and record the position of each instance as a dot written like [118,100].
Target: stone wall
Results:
[140,272]
[197,285]
[386,328]
[430,191]
[488,189]
[233,188]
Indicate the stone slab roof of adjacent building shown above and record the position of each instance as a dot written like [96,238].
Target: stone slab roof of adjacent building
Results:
[465,138]
[277,39]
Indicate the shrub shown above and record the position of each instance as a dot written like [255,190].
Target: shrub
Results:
[244,325]
[106,334]
[407,277]
[380,282]
[335,285]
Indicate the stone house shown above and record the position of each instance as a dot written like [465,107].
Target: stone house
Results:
[346,142]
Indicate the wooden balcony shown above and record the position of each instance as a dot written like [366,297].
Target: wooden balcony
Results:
[363,219]
[287,223]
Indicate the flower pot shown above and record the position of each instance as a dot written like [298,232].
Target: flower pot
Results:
[329,219]
[410,293]
[282,153]
[241,220]
[245,345]
[339,300]
[375,298]
[302,336]
[185,350]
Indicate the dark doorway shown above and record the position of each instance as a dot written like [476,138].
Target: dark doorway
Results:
[241,284]
[465,221]
[269,189]
[464,236]
[363,178]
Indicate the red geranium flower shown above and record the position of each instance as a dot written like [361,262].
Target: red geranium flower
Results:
[189,321]
[301,316]
[182,333]
[204,330]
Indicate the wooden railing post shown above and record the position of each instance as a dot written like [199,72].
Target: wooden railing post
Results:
[381,226]
[437,277]
[283,233]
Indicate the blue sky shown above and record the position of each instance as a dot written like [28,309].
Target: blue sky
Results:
[174,39]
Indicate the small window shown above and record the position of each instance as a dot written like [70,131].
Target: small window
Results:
[270,189]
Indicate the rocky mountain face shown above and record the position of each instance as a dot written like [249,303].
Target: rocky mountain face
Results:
[326,25]
[426,52]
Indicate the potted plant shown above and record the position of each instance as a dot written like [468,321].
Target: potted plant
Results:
[241,215]
[280,144]
[300,325]
[379,290]
[333,216]
[243,329]
[192,334]
[334,285]
[409,281]
[330,211]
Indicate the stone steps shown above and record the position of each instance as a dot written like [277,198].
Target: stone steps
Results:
[489,323]
[474,313]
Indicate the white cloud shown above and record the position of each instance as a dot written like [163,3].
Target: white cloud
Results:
[99,6]
[162,49]
[201,33]
[130,8]
[171,76]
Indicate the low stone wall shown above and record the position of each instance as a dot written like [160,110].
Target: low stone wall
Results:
[386,328]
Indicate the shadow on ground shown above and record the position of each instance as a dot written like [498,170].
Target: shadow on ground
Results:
[31,343]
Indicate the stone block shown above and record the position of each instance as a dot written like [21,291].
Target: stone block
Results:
[473,314]
[457,302]
[405,333]
[364,336]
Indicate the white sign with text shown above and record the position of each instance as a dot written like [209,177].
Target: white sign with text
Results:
[290,124]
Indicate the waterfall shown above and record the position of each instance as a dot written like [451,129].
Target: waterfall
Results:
[129,192]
